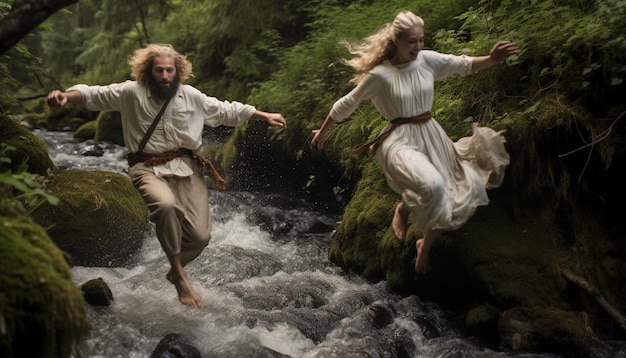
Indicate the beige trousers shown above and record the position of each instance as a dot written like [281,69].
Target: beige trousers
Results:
[179,207]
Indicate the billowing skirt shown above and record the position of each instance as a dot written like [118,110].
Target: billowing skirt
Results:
[442,182]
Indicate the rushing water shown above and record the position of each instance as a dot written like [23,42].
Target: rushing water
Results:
[266,283]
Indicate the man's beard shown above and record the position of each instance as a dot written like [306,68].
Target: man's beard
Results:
[160,92]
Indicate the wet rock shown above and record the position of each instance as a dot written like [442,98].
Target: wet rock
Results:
[550,330]
[175,345]
[97,292]
[27,125]
[93,150]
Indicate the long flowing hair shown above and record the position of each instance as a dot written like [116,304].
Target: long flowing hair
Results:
[374,49]
[142,60]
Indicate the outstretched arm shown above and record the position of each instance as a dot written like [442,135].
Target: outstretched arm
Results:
[58,98]
[319,134]
[274,119]
[499,52]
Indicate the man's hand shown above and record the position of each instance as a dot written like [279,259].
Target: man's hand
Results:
[57,98]
[276,120]
[273,119]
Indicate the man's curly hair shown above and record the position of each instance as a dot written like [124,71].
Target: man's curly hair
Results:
[142,60]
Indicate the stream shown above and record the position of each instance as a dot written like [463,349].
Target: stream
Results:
[267,286]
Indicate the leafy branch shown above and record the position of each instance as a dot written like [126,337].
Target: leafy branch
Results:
[22,189]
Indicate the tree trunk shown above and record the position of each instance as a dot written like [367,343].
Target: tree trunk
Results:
[25,15]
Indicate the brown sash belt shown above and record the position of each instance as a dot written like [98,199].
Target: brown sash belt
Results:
[151,160]
[373,144]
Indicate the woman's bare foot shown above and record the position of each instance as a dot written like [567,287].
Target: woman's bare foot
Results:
[186,293]
[423,246]
[422,261]
[399,222]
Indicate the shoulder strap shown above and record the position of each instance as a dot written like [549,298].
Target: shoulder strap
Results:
[146,136]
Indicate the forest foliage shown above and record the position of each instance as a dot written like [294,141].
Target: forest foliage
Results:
[284,56]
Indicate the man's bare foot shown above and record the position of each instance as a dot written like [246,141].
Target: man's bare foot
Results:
[186,293]
[421,262]
[399,221]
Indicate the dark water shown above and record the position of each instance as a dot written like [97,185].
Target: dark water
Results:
[267,286]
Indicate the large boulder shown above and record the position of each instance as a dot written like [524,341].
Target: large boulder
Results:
[109,128]
[106,127]
[85,131]
[24,149]
[498,263]
[69,117]
[42,311]
[101,219]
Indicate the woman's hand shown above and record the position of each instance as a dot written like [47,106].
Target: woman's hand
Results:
[503,50]
[317,142]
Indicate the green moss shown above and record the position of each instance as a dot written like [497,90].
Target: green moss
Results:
[69,116]
[482,319]
[100,213]
[109,128]
[28,148]
[33,119]
[42,310]
[86,131]
[356,243]
[224,155]
[512,260]
[34,105]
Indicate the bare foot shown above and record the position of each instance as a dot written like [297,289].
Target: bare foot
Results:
[186,293]
[421,262]
[399,221]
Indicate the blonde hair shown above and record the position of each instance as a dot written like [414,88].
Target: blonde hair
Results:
[142,60]
[373,50]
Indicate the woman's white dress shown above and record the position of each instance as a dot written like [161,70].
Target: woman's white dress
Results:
[441,181]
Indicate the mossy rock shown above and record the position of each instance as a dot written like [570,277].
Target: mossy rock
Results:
[29,149]
[42,310]
[34,120]
[549,330]
[249,159]
[101,219]
[68,117]
[364,241]
[482,320]
[86,131]
[109,128]
[497,259]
